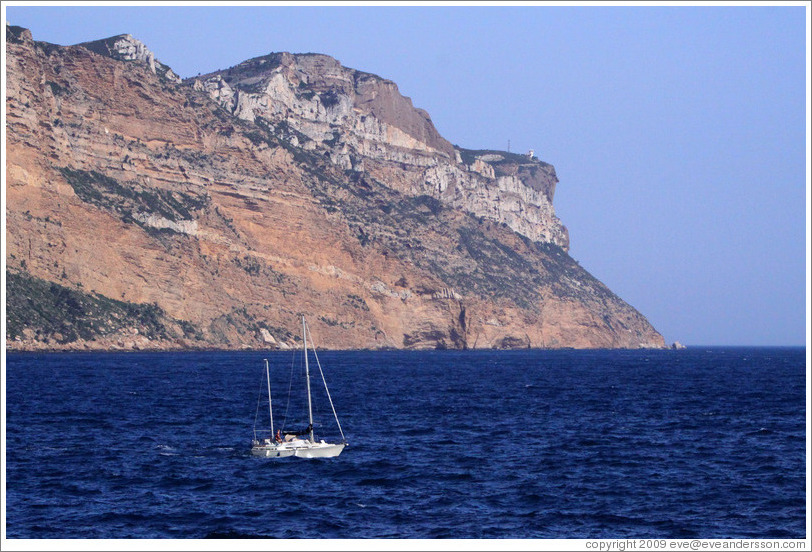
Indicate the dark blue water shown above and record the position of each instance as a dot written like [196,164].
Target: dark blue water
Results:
[521,444]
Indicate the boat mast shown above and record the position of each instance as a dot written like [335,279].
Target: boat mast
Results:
[270,406]
[307,377]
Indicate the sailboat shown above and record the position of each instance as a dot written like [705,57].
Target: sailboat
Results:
[298,443]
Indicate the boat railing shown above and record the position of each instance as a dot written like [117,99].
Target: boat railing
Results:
[262,434]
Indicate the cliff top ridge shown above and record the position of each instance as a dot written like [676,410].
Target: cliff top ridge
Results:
[125,47]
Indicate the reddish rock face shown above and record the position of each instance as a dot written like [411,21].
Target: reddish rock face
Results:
[147,213]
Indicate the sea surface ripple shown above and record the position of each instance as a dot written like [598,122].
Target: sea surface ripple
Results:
[699,443]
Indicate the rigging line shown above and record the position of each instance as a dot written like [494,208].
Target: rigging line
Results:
[325,387]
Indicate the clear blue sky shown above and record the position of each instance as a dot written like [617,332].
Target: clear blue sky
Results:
[678,133]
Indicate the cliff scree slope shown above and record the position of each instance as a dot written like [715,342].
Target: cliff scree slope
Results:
[149,212]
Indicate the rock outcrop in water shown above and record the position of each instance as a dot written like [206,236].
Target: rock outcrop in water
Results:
[148,212]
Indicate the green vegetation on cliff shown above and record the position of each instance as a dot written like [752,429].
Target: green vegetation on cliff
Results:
[51,311]
[129,200]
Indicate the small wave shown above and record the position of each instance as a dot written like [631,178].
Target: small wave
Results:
[675,530]
[54,449]
[615,520]
[229,534]
[464,476]
[421,432]
[440,533]
[119,517]
[760,431]
[166,450]
[781,534]
[381,482]
[537,499]
[193,484]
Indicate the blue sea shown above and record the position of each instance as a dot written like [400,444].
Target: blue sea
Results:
[697,443]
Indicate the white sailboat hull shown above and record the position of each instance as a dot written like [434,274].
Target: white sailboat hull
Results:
[270,451]
[320,450]
[299,447]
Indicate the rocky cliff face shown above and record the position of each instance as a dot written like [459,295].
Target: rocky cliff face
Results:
[145,212]
[126,48]
[365,125]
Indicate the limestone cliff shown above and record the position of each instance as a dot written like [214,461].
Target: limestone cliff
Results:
[365,125]
[146,212]
[127,48]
